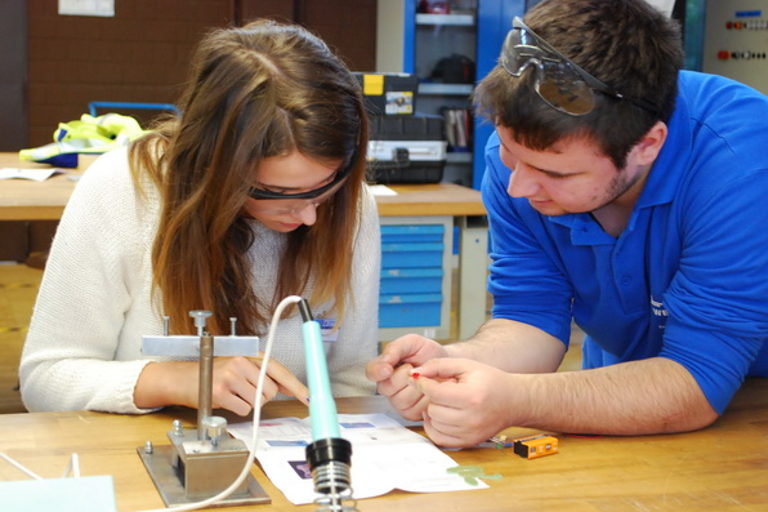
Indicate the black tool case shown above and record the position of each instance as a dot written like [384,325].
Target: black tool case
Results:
[406,149]
[389,93]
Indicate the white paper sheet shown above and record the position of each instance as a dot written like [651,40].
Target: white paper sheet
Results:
[381,190]
[385,456]
[104,8]
[7,173]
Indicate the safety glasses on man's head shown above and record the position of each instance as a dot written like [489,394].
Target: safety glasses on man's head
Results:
[559,81]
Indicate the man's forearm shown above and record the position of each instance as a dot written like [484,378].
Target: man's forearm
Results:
[511,346]
[650,396]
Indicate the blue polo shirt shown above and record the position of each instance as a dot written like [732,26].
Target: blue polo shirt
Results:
[688,277]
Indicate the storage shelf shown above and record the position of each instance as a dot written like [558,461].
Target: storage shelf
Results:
[447,89]
[465,20]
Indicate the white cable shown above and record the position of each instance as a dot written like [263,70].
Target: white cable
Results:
[291,299]
[20,467]
[73,467]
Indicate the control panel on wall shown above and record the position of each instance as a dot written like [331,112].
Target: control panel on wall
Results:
[736,41]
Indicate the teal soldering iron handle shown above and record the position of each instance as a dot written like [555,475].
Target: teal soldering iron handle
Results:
[329,455]
[322,407]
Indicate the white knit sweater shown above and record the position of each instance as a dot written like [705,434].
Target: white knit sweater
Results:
[83,349]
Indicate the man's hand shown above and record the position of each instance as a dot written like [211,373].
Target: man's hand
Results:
[470,401]
[392,369]
[467,401]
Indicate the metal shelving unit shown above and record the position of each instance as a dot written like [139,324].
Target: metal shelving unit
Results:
[436,37]
[445,89]
[477,31]
[467,20]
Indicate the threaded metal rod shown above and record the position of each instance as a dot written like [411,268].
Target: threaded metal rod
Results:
[205,384]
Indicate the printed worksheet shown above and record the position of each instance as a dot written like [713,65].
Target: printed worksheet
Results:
[7,173]
[385,456]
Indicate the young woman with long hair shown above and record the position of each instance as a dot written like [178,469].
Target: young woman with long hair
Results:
[255,192]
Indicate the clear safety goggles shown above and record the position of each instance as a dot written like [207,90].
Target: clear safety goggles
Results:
[331,186]
[559,81]
[280,203]
[291,204]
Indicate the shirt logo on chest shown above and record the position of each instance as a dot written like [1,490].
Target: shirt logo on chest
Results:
[661,314]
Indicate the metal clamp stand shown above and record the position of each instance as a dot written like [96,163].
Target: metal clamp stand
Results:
[200,463]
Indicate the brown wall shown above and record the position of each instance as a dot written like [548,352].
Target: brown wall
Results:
[142,53]
[53,66]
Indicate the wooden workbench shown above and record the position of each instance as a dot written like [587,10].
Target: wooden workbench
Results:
[722,468]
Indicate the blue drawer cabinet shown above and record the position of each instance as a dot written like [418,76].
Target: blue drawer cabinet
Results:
[415,276]
[412,233]
[411,280]
[410,310]
[409,255]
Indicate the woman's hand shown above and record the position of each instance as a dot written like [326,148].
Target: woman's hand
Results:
[233,387]
[235,379]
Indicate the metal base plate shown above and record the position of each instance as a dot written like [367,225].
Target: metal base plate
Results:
[158,464]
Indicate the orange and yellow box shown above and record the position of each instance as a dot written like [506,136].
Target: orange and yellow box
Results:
[535,446]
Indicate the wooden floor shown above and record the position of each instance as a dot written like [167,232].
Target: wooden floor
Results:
[18,289]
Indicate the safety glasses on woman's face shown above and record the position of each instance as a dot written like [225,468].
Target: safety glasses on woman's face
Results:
[338,177]
[289,205]
[560,82]
[279,203]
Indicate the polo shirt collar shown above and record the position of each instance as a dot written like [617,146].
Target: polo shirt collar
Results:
[584,229]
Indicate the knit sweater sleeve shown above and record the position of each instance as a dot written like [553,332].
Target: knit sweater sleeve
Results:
[358,335]
[72,355]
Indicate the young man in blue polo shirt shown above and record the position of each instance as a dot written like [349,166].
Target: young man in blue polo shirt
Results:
[625,195]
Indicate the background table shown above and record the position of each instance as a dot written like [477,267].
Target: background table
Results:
[463,207]
[26,200]
[32,200]
[722,468]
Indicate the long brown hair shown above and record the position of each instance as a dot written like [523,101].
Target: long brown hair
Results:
[261,90]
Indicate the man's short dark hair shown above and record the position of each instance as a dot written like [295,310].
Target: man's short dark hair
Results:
[627,44]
